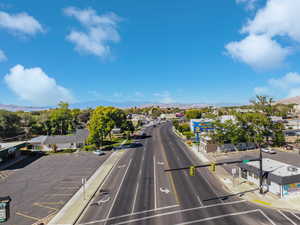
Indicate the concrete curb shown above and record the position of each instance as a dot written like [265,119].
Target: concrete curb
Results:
[72,210]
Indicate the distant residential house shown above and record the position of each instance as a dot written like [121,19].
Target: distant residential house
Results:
[225,118]
[169,116]
[277,119]
[116,130]
[46,143]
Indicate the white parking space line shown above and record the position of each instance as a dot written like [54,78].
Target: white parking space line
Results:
[218,217]
[288,218]
[268,218]
[163,214]
[200,201]
[295,215]
[155,197]
[116,195]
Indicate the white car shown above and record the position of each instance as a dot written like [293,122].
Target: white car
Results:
[270,151]
[99,152]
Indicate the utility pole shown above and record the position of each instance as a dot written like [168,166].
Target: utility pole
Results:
[260,171]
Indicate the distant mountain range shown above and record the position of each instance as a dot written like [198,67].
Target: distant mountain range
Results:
[127,104]
[293,100]
[15,108]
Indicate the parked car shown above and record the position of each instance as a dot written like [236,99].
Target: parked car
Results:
[269,151]
[99,152]
[289,147]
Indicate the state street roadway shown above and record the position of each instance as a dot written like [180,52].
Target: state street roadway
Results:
[138,191]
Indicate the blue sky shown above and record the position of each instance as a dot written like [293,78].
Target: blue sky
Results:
[159,51]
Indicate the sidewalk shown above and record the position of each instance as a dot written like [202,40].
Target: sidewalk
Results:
[75,206]
[240,185]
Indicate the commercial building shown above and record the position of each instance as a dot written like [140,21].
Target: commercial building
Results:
[46,143]
[279,178]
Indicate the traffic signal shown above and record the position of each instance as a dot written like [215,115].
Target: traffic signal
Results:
[213,167]
[192,171]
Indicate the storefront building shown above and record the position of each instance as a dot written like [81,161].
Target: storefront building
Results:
[279,178]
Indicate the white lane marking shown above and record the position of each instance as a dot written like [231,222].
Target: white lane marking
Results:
[135,196]
[199,200]
[268,218]
[155,198]
[288,218]
[295,215]
[218,217]
[100,187]
[209,184]
[167,213]
[116,195]
[165,190]
[103,200]
[138,180]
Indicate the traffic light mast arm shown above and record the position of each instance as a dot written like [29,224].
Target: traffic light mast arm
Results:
[207,165]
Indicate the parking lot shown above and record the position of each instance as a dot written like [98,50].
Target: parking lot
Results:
[40,187]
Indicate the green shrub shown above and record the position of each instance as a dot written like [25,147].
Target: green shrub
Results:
[69,150]
[90,147]
[188,134]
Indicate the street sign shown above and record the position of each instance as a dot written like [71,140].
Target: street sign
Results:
[4,208]
[246,160]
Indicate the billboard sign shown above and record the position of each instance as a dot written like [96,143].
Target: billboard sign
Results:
[202,126]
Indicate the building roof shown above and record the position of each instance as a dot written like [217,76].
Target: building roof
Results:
[79,137]
[39,139]
[11,144]
[278,172]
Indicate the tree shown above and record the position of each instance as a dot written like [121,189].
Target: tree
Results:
[10,124]
[103,120]
[193,114]
[63,120]
[97,127]
[264,104]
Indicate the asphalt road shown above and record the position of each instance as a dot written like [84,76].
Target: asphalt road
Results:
[138,191]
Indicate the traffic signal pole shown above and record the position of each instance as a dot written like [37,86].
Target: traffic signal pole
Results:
[210,165]
[260,171]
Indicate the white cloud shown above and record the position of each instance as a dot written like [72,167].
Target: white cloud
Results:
[249,4]
[100,30]
[164,97]
[20,23]
[2,56]
[34,85]
[278,17]
[258,51]
[287,86]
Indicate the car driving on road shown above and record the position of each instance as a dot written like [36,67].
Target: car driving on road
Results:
[269,151]
[99,152]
